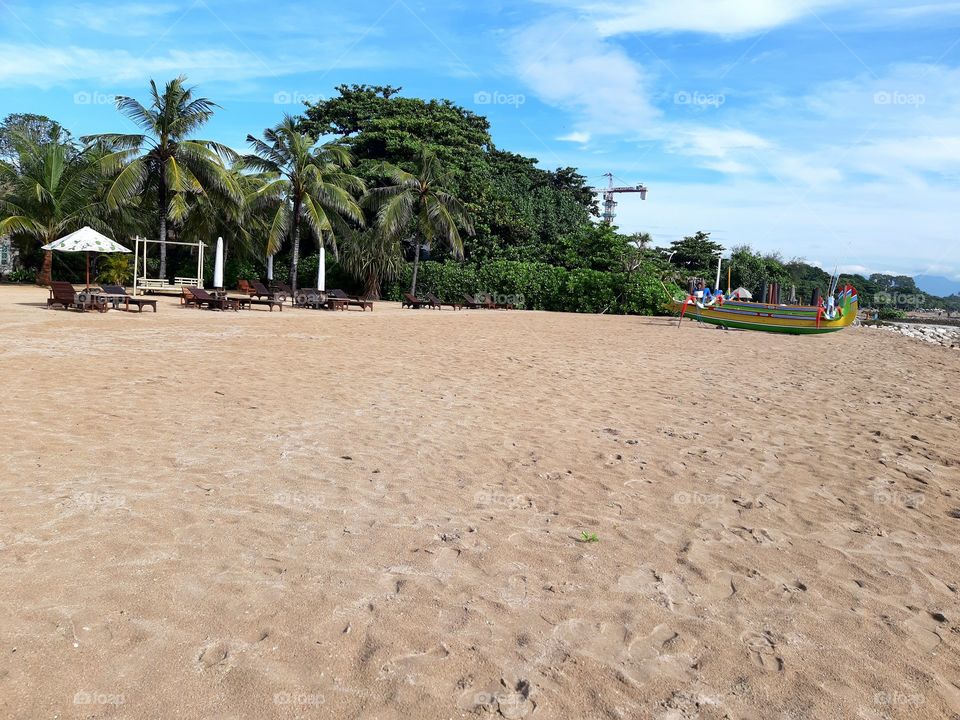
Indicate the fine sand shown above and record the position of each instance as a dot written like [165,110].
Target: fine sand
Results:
[347,515]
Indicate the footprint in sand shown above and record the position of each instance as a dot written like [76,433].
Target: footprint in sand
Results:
[763,651]
[445,558]
[922,635]
[413,665]
[213,654]
[722,587]
[515,594]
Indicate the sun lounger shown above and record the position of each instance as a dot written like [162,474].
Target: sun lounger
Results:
[309,298]
[412,301]
[491,304]
[470,302]
[280,288]
[246,288]
[438,303]
[201,297]
[128,300]
[352,300]
[270,302]
[260,290]
[63,294]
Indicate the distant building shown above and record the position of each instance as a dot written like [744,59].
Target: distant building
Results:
[7,256]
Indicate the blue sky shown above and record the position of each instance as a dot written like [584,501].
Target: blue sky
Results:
[827,129]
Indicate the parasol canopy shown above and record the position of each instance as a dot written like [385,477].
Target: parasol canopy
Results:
[86,240]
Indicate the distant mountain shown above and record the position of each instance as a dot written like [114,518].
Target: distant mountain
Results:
[937,285]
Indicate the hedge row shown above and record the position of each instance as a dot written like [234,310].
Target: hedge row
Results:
[538,286]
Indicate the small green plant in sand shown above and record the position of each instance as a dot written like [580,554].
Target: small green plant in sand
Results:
[589,537]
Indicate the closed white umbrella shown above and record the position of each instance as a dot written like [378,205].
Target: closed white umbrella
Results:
[270,268]
[218,266]
[86,240]
[322,271]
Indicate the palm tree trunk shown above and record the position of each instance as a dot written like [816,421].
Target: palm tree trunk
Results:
[371,288]
[416,267]
[295,246]
[46,272]
[163,229]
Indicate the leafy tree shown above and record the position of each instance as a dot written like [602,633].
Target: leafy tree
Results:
[34,129]
[164,159]
[53,191]
[418,203]
[519,210]
[305,184]
[696,254]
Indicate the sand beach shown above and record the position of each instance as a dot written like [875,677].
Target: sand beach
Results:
[475,514]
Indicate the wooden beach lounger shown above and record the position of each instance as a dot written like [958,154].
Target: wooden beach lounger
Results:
[261,291]
[201,297]
[413,302]
[470,302]
[352,300]
[63,294]
[438,303]
[129,300]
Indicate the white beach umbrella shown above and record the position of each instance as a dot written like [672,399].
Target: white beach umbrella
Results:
[87,240]
[322,271]
[218,265]
[269,268]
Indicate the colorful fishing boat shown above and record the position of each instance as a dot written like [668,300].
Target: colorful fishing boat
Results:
[794,319]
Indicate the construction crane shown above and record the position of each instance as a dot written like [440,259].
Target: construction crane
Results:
[610,204]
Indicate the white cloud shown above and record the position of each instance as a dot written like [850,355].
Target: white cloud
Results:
[581,138]
[719,17]
[46,67]
[122,19]
[878,225]
[567,65]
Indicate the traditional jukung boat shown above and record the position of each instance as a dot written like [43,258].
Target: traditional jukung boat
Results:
[794,319]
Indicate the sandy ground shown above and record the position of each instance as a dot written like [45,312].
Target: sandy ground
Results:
[313,514]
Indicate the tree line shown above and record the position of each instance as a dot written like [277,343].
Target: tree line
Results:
[405,183]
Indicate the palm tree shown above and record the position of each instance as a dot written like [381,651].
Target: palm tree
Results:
[164,159]
[52,191]
[371,257]
[418,203]
[213,215]
[303,184]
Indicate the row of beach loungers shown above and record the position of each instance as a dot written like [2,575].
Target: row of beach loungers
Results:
[468,302]
[254,293]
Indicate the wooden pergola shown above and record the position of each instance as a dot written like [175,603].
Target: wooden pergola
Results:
[145,284]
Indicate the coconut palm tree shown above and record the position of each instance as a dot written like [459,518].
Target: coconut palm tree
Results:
[303,184]
[164,159]
[51,191]
[417,203]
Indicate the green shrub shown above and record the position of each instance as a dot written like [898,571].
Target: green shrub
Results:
[538,286]
[22,275]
